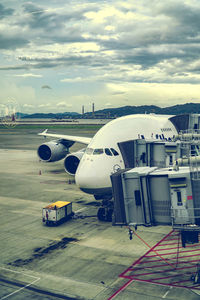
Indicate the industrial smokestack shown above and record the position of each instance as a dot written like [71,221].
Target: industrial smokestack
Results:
[93,109]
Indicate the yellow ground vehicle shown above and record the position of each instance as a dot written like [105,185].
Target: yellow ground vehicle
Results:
[56,212]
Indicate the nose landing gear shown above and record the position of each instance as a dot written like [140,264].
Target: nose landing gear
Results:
[105,214]
[106,210]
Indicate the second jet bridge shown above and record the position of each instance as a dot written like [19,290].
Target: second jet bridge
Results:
[141,152]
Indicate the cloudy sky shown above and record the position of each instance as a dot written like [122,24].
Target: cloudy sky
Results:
[58,55]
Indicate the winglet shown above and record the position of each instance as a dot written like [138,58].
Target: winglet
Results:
[43,133]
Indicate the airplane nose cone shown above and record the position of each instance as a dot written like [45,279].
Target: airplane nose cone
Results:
[85,179]
[91,181]
[82,180]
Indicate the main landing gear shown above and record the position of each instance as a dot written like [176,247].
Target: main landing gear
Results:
[105,212]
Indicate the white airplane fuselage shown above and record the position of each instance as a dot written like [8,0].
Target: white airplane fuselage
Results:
[102,156]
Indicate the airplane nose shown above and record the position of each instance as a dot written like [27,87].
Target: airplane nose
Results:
[90,180]
[81,179]
[85,179]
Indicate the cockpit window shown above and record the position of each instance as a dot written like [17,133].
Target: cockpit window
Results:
[98,151]
[89,151]
[114,152]
[108,152]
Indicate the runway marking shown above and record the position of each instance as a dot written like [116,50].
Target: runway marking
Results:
[22,288]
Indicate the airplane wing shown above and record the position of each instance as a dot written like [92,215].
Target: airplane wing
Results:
[78,139]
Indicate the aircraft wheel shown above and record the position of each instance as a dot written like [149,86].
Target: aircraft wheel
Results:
[98,197]
[192,277]
[109,215]
[101,214]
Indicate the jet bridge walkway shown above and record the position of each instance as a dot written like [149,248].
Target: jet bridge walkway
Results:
[167,263]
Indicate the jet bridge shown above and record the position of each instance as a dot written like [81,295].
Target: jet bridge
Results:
[186,122]
[141,152]
[151,196]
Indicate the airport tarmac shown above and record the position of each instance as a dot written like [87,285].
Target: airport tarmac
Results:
[80,259]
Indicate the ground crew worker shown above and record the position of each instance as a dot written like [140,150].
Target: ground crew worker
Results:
[130,233]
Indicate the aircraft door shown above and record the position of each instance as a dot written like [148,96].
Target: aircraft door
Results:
[179,205]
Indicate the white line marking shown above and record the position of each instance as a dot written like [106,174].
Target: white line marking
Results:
[22,288]
[81,209]
[18,272]
[165,295]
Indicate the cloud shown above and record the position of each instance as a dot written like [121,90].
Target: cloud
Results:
[11,41]
[118,93]
[76,79]
[46,87]
[52,18]
[44,105]
[63,104]
[28,75]
[111,47]
[28,105]
[4,12]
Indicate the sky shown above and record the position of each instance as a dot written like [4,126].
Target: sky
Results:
[58,55]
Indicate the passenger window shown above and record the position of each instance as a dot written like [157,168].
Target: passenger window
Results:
[108,152]
[114,152]
[98,151]
[89,151]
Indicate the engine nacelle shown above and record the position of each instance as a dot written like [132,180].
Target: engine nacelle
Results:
[72,161]
[52,151]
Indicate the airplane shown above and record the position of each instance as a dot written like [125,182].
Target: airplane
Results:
[93,165]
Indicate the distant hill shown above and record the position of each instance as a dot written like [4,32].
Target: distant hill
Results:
[128,110]
[121,111]
[171,110]
[51,115]
[20,115]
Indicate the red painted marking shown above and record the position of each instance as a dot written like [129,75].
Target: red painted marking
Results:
[162,283]
[158,272]
[163,265]
[168,244]
[179,271]
[158,260]
[166,277]
[151,273]
[151,267]
[120,289]
[188,246]
[181,281]
[170,253]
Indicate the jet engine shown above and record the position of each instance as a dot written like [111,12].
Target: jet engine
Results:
[72,161]
[52,151]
